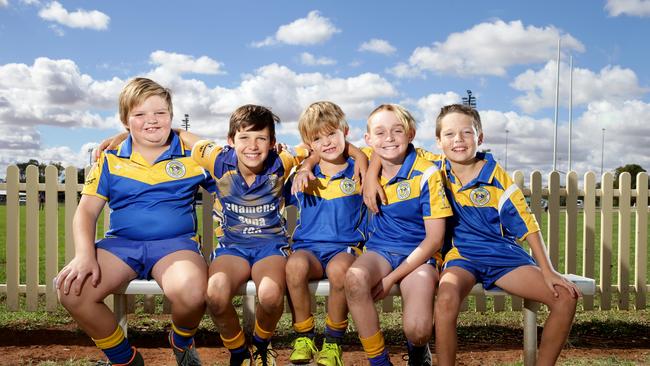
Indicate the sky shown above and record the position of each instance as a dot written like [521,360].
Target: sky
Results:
[63,64]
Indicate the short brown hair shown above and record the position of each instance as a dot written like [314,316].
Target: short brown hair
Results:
[321,116]
[254,116]
[400,112]
[462,109]
[136,91]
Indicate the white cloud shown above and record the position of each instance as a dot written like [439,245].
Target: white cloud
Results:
[639,8]
[313,29]
[57,30]
[488,49]
[426,111]
[308,59]
[31,2]
[4,3]
[177,63]
[378,46]
[610,83]
[93,19]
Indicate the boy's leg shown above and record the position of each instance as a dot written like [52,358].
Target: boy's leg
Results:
[418,289]
[455,284]
[528,282]
[301,267]
[93,316]
[362,276]
[183,277]
[226,274]
[336,322]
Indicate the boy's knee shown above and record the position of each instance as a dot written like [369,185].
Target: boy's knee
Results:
[186,294]
[217,295]
[565,302]
[356,283]
[336,276]
[446,304]
[270,296]
[296,271]
[418,332]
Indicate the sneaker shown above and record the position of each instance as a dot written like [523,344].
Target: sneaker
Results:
[418,357]
[262,357]
[330,355]
[187,356]
[243,358]
[304,350]
[136,360]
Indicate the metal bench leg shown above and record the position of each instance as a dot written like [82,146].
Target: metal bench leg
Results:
[119,308]
[530,332]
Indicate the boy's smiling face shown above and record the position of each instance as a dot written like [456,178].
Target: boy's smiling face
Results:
[252,149]
[150,122]
[388,136]
[330,144]
[459,140]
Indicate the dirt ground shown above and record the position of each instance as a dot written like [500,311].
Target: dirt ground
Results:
[31,347]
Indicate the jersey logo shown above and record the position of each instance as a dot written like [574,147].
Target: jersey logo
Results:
[273,180]
[403,190]
[207,149]
[175,169]
[479,196]
[348,186]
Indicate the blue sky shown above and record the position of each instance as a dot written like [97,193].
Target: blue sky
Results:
[63,63]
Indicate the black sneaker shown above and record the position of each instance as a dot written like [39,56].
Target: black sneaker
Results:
[136,360]
[187,356]
[418,356]
[241,358]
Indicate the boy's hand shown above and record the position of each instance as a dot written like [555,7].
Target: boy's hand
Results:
[360,169]
[280,147]
[372,193]
[73,276]
[382,289]
[110,143]
[301,180]
[552,279]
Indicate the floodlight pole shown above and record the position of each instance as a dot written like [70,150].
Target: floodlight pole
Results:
[557,102]
[570,108]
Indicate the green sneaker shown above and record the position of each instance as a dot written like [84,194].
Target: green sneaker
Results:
[330,355]
[304,350]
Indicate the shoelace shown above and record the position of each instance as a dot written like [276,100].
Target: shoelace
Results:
[263,354]
[304,342]
[334,348]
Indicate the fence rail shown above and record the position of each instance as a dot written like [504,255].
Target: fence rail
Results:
[598,205]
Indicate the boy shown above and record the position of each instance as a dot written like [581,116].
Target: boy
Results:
[490,214]
[329,232]
[252,239]
[150,183]
[402,239]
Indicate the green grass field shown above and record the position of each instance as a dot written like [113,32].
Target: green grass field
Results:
[614,264]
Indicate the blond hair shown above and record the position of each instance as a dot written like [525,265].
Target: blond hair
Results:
[462,109]
[136,91]
[321,117]
[404,116]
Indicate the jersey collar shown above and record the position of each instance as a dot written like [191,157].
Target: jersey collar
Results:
[175,149]
[485,176]
[407,166]
[348,172]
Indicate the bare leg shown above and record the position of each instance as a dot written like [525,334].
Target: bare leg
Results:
[337,307]
[88,309]
[455,284]
[302,266]
[418,289]
[268,275]
[227,274]
[528,282]
[362,276]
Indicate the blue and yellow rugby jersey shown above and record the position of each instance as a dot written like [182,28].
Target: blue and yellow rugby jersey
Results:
[148,202]
[415,194]
[330,210]
[251,215]
[490,214]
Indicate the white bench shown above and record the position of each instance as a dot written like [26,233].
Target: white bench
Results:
[321,288]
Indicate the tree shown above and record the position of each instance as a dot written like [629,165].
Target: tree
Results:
[633,169]
[22,168]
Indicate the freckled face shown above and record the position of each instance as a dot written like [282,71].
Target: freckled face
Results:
[458,138]
[388,136]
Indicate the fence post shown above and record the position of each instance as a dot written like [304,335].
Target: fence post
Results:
[589,233]
[517,302]
[571,224]
[606,204]
[624,222]
[13,238]
[51,235]
[553,232]
[71,189]
[641,240]
[32,238]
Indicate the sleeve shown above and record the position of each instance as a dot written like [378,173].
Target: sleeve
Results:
[208,183]
[97,180]
[367,150]
[433,200]
[514,213]
[205,154]
[292,158]
[436,158]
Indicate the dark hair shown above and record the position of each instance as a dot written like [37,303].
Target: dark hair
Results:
[462,109]
[253,117]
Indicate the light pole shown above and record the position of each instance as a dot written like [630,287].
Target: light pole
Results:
[557,102]
[602,154]
[507,149]
[90,155]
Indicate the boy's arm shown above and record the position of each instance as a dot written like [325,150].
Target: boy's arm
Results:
[84,263]
[360,161]
[371,188]
[188,138]
[432,242]
[110,143]
[551,277]
[305,173]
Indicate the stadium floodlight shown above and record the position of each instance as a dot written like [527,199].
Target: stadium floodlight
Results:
[186,122]
[469,100]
